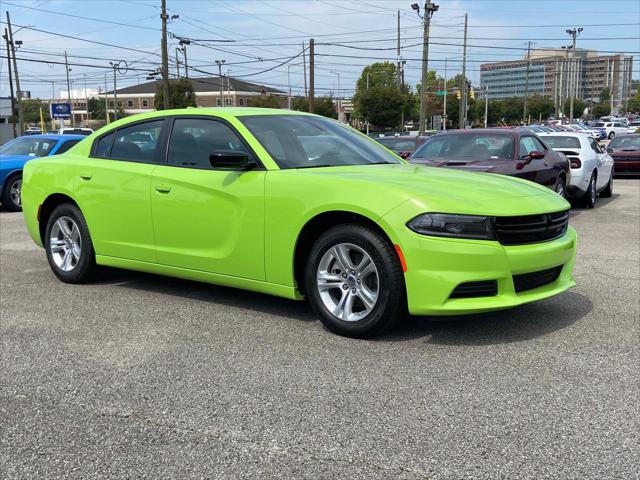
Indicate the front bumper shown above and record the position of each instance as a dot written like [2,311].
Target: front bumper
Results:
[626,167]
[436,266]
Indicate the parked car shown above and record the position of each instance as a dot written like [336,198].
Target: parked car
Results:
[591,167]
[625,151]
[75,131]
[402,145]
[633,127]
[575,127]
[516,152]
[33,131]
[611,128]
[232,197]
[15,153]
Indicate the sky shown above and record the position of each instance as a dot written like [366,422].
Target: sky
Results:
[263,40]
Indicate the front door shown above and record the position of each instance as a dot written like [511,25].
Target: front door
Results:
[537,169]
[204,218]
[113,189]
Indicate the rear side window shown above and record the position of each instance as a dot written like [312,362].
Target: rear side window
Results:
[135,143]
[103,146]
[194,139]
[66,146]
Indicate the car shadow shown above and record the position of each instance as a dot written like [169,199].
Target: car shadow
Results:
[505,326]
[208,293]
[577,208]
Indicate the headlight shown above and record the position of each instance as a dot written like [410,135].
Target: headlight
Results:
[450,225]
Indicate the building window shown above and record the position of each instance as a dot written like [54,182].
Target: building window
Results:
[111,104]
[130,103]
[119,104]
[241,102]
[145,103]
[227,102]
[218,102]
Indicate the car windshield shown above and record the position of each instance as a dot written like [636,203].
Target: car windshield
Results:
[599,124]
[562,142]
[630,142]
[477,146]
[398,143]
[34,147]
[302,141]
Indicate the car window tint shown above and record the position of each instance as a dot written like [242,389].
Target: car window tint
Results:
[66,146]
[137,142]
[594,145]
[194,139]
[528,145]
[103,146]
[467,145]
[33,147]
[562,142]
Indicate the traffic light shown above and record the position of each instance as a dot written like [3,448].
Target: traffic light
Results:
[458,95]
[472,93]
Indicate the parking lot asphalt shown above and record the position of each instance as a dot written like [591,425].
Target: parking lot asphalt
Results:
[140,376]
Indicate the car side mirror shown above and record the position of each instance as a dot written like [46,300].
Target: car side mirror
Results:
[536,155]
[610,150]
[231,159]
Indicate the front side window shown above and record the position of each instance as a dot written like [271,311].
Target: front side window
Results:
[33,147]
[528,145]
[194,139]
[594,145]
[301,141]
[467,145]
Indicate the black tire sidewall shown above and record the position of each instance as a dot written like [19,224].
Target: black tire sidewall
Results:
[7,203]
[559,181]
[85,269]
[589,201]
[391,301]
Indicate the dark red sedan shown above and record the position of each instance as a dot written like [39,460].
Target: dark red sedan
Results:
[402,145]
[625,151]
[516,152]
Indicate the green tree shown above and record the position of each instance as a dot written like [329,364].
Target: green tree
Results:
[324,106]
[634,104]
[181,94]
[264,101]
[578,107]
[540,107]
[512,109]
[381,105]
[96,109]
[375,76]
[31,109]
[600,110]
[605,94]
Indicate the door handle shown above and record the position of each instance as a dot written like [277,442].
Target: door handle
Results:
[86,175]
[163,188]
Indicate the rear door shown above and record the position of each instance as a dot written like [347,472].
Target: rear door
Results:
[113,190]
[204,218]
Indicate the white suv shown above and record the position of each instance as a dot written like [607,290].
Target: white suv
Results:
[612,128]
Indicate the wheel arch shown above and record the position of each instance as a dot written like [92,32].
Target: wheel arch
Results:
[17,171]
[320,223]
[48,206]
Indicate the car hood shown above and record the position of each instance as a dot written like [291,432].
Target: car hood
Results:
[626,153]
[9,161]
[441,189]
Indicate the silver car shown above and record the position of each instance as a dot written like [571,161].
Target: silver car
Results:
[591,166]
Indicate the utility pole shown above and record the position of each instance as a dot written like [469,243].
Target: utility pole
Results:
[367,115]
[486,105]
[526,84]
[289,84]
[106,100]
[429,10]
[444,100]
[86,99]
[229,96]
[13,100]
[17,78]
[165,58]
[304,67]
[398,53]
[177,64]
[220,81]
[184,52]
[574,32]
[463,90]
[66,67]
[611,86]
[311,75]
[115,95]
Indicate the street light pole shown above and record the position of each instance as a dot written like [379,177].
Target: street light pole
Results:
[165,58]
[66,67]
[220,63]
[429,10]
[289,84]
[17,77]
[574,32]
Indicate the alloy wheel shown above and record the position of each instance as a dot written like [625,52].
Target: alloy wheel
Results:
[65,244]
[593,190]
[15,191]
[348,282]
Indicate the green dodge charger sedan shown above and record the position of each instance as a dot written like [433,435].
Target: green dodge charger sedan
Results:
[297,205]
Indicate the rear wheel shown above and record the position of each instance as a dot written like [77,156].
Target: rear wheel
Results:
[612,135]
[354,281]
[68,244]
[12,193]
[561,187]
[589,199]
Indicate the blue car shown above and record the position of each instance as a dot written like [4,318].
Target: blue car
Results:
[15,153]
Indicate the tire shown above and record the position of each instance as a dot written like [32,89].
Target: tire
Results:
[11,193]
[589,198]
[607,192]
[69,250]
[612,135]
[560,187]
[372,293]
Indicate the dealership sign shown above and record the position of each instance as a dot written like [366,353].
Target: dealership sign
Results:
[60,110]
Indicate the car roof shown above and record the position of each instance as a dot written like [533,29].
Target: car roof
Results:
[55,136]
[566,134]
[490,131]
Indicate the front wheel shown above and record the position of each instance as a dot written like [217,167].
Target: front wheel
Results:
[612,135]
[560,187]
[12,193]
[354,281]
[68,245]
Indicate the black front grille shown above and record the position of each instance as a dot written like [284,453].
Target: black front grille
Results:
[487,288]
[531,228]
[529,281]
